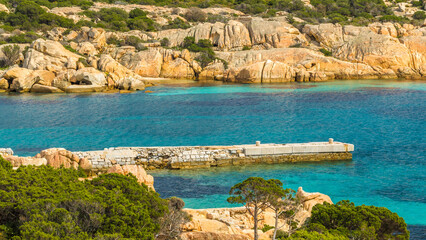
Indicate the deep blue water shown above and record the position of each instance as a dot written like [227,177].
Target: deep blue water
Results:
[384,119]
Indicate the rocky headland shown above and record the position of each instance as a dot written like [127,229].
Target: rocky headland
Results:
[247,49]
[213,223]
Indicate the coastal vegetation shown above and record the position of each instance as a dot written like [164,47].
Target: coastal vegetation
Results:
[47,203]
[342,220]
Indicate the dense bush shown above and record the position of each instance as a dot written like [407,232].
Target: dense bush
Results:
[29,15]
[420,15]
[119,20]
[357,222]
[45,203]
[177,23]
[11,54]
[326,52]
[195,15]
[204,47]
[27,37]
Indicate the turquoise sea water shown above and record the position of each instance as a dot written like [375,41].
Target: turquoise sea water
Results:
[384,119]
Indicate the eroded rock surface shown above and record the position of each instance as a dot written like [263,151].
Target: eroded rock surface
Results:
[136,170]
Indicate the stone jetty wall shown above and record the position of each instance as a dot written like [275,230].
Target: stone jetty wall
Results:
[215,156]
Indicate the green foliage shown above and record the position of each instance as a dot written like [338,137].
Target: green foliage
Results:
[358,222]
[417,3]
[47,203]
[266,228]
[165,42]
[119,20]
[5,165]
[177,23]
[195,15]
[84,62]
[135,42]
[171,223]
[115,41]
[204,47]
[29,15]
[393,18]
[69,48]
[256,194]
[246,48]
[214,18]
[326,52]
[303,234]
[27,37]
[11,53]
[420,15]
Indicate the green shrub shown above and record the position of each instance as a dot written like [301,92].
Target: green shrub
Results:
[135,42]
[11,53]
[393,18]
[246,48]
[115,41]
[266,228]
[177,23]
[165,42]
[69,48]
[28,37]
[214,18]
[326,52]
[417,3]
[84,62]
[195,15]
[420,15]
[358,222]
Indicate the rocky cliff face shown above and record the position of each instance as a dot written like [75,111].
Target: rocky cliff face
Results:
[248,50]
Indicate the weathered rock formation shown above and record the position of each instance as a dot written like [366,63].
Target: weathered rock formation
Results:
[248,50]
[236,223]
[137,171]
[60,157]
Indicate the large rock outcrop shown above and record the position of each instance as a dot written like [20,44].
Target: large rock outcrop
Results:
[236,223]
[59,157]
[292,64]
[22,79]
[136,170]
[54,157]
[89,76]
[236,34]
[120,76]
[307,202]
[164,63]
[49,55]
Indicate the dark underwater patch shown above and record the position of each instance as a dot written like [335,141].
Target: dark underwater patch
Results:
[186,187]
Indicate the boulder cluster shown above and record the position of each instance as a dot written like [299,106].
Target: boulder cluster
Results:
[60,157]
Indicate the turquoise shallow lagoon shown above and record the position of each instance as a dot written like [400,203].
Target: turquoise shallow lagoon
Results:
[384,119]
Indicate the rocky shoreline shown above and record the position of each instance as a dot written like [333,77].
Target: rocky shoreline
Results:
[247,49]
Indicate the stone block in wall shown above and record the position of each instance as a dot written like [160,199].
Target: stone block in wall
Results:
[301,148]
[283,149]
[250,151]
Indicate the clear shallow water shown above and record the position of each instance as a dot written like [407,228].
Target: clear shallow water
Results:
[384,119]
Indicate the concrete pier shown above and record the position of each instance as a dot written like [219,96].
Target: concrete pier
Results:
[215,156]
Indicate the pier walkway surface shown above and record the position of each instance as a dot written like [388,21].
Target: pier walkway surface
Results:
[183,157]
